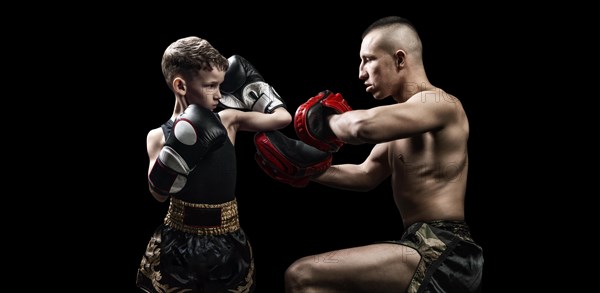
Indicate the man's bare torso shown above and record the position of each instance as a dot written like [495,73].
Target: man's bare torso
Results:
[429,172]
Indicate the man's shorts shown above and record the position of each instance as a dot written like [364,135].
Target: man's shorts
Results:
[450,260]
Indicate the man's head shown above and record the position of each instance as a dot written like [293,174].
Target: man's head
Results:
[396,33]
[390,45]
[193,68]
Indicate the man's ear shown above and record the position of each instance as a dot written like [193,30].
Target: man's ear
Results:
[400,58]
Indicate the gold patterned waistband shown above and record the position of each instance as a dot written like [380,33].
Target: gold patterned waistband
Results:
[203,219]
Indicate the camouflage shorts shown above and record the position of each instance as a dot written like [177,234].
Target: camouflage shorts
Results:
[450,260]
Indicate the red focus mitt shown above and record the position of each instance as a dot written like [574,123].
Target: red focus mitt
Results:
[288,160]
[311,124]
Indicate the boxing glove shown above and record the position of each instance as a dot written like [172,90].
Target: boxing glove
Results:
[311,124]
[288,160]
[245,89]
[196,132]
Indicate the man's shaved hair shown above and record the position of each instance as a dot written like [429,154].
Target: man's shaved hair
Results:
[397,33]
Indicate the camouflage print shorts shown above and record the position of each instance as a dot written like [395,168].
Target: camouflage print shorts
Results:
[450,260]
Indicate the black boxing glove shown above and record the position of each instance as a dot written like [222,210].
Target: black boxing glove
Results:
[245,89]
[196,132]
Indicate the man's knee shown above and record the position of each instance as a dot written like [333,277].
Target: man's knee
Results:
[299,274]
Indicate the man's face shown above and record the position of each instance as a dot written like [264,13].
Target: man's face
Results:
[377,67]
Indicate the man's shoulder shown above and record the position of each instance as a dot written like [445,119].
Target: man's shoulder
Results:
[435,95]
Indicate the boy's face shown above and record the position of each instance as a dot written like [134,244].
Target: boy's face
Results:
[203,89]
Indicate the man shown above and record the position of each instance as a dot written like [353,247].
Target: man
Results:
[420,141]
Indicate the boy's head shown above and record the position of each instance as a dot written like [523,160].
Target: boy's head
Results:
[187,56]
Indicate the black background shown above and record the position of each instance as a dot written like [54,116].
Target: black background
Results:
[527,78]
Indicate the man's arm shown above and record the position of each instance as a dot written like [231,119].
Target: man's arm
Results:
[362,177]
[426,111]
